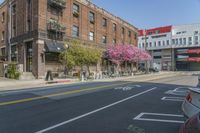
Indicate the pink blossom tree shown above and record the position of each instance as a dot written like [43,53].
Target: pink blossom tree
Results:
[126,53]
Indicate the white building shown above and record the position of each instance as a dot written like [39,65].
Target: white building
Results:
[173,47]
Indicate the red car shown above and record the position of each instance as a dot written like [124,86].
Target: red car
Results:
[192,125]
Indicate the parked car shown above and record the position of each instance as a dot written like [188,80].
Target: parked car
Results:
[153,70]
[191,104]
[192,125]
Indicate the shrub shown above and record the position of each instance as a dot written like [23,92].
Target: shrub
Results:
[12,71]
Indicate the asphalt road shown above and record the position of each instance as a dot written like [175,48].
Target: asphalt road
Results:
[99,107]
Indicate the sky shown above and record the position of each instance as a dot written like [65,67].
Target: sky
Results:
[153,13]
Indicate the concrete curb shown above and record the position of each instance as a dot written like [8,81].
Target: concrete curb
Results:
[140,78]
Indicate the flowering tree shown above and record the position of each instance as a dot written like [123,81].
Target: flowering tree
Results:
[126,53]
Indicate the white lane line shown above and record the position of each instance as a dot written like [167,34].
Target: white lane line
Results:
[139,117]
[94,111]
[175,99]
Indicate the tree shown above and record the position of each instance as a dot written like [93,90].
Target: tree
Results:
[126,53]
[79,54]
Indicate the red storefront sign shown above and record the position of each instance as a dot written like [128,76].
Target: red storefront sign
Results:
[197,59]
[193,51]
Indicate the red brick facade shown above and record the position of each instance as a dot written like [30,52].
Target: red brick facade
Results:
[29,25]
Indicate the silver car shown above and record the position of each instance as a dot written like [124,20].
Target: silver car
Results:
[191,104]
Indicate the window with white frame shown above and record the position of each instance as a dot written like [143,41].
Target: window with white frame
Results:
[180,41]
[159,43]
[167,42]
[91,36]
[114,41]
[196,39]
[150,44]
[75,31]
[163,43]
[184,41]
[176,41]
[104,39]
[114,27]
[104,22]
[173,41]
[75,10]
[189,40]
[91,17]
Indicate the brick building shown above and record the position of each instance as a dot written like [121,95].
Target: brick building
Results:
[3,29]
[37,29]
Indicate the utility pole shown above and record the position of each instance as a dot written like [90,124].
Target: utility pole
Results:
[145,48]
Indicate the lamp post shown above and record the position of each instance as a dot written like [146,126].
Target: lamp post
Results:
[65,58]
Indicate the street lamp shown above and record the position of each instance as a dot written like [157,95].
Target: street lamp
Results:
[65,58]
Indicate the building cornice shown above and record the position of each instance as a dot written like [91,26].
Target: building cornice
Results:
[3,3]
[108,14]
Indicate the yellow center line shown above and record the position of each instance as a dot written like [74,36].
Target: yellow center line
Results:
[57,94]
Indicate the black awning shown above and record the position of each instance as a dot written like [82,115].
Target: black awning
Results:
[55,47]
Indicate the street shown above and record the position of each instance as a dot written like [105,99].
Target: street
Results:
[98,107]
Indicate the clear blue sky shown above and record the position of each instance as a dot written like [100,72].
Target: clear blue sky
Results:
[153,13]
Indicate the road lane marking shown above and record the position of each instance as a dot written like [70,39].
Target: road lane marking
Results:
[58,94]
[127,88]
[94,111]
[139,117]
[179,91]
[175,99]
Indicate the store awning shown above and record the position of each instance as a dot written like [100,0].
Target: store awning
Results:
[55,47]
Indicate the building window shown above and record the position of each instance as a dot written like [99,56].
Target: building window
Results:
[91,17]
[142,45]
[167,42]
[3,51]
[196,40]
[104,39]
[196,32]
[184,41]
[150,44]
[75,31]
[123,30]
[3,36]
[189,40]
[14,53]
[180,41]
[91,36]
[129,33]
[14,9]
[135,36]
[163,43]
[159,43]
[155,44]
[104,22]
[3,17]
[114,27]
[29,15]
[114,41]
[176,41]
[75,10]
[173,41]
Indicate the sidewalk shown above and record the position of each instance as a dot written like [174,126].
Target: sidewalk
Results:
[9,84]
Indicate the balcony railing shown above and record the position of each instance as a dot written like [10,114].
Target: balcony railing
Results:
[53,25]
[57,3]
